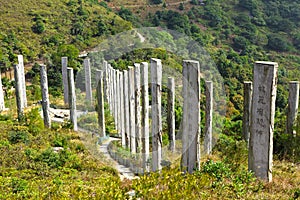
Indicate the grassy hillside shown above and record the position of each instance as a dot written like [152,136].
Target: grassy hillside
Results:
[31,169]
[36,28]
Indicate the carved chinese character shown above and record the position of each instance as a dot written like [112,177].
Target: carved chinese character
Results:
[260,122]
[260,111]
[261,88]
[260,132]
[261,100]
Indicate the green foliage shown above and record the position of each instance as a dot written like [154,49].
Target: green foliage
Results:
[181,6]
[18,185]
[278,43]
[34,121]
[15,137]
[233,152]
[39,26]
[156,1]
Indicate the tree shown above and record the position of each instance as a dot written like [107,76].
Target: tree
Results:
[278,43]
[156,1]
[181,7]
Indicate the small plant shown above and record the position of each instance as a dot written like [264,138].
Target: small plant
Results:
[18,185]
[34,121]
[15,137]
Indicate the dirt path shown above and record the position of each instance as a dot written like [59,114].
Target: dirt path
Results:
[148,5]
[125,172]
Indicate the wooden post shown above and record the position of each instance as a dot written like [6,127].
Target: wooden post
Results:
[72,98]
[208,117]
[262,119]
[145,116]
[111,88]
[119,103]
[2,105]
[100,102]
[132,109]
[191,116]
[45,96]
[88,84]
[122,110]
[126,108]
[137,82]
[156,88]
[64,66]
[116,99]
[18,90]
[292,109]
[22,79]
[106,81]
[247,110]
[171,113]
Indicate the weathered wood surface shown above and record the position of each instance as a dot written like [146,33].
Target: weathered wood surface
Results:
[248,88]
[171,113]
[18,91]
[100,102]
[262,119]
[72,98]
[191,116]
[45,96]
[88,83]
[156,89]
[145,115]
[208,117]
[64,66]
[292,109]
[132,110]
[137,86]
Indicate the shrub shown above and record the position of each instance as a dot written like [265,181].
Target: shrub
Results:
[15,137]
[18,185]
[34,121]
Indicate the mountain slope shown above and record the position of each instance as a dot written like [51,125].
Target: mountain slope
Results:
[36,28]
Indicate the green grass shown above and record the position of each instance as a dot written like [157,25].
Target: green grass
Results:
[58,16]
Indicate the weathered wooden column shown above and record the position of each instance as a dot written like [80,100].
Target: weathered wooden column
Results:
[122,110]
[262,119]
[247,110]
[156,88]
[88,84]
[137,82]
[113,94]
[191,116]
[106,81]
[208,117]
[18,90]
[171,113]
[2,105]
[131,109]
[116,98]
[100,103]
[145,115]
[119,103]
[45,96]
[72,98]
[292,109]
[22,79]
[111,88]
[126,108]
[64,66]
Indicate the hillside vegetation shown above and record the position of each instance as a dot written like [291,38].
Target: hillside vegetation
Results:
[235,33]
[37,28]
[31,168]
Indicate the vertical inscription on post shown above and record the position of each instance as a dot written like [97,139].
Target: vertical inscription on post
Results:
[262,119]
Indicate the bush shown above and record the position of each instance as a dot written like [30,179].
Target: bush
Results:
[15,137]
[278,43]
[34,121]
